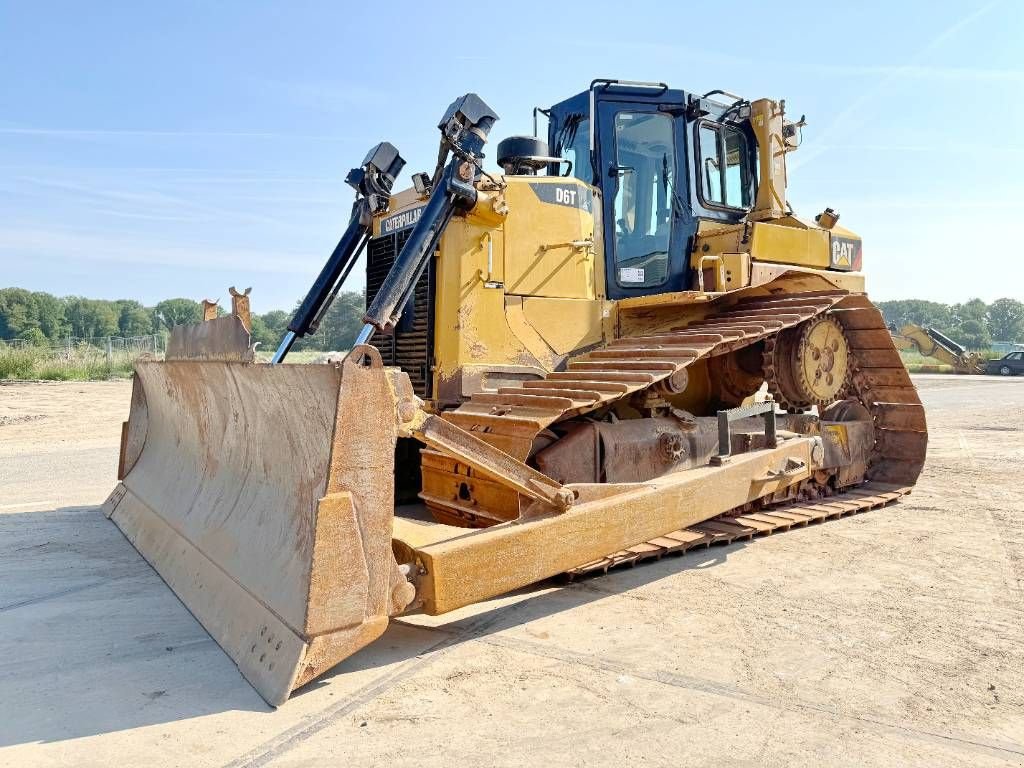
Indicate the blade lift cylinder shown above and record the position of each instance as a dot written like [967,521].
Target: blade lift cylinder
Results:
[373,182]
[464,130]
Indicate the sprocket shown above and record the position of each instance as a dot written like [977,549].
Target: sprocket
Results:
[809,364]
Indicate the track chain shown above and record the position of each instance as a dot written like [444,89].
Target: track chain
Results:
[513,417]
[731,527]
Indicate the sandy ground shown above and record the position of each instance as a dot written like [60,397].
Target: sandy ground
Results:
[894,637]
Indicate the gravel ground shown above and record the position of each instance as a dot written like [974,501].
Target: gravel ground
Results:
[889,638]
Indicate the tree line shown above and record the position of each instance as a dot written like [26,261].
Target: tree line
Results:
[41,318]
[973,324]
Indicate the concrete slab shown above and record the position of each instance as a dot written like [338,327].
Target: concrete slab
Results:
[893,637]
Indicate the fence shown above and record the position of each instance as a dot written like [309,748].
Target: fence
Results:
[77,357]
[1002,347]
[70,346]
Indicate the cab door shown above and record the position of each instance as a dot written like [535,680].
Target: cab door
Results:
[641,170]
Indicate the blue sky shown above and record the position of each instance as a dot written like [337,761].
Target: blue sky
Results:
[150,150]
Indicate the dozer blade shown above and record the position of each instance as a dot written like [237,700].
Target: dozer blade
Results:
[263,496]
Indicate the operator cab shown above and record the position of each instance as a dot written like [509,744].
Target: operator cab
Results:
[663,161]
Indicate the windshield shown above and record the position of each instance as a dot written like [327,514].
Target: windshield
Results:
[645,166]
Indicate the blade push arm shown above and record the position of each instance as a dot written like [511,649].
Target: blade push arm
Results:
[372,182]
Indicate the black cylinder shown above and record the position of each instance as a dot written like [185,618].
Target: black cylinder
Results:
[341,260]
[387,305]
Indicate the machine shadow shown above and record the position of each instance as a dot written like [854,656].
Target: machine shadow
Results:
[407,639]
[92,640]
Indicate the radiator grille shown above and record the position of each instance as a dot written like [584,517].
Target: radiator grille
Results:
[411,347]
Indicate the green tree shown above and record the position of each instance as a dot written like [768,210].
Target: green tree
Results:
[974,334]
[975,309]
[92,317]
[34,335]
[17,314]
[269,328]
[23,312]
[260,333]
[277,321]
[969,325]
[1006,320]
[172,312]
[51,313]
[133,318]
[930,314]
[343,321]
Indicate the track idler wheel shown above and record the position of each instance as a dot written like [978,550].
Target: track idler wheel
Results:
[737,375]
[808,365]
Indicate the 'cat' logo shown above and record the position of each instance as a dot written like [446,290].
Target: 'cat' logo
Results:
[845,253]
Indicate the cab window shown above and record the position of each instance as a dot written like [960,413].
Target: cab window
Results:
[723,172]
[573,143]
[645,169]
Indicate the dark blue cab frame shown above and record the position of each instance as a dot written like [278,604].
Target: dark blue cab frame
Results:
[591,143]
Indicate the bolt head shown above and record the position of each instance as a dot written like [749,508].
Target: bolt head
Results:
[407,410]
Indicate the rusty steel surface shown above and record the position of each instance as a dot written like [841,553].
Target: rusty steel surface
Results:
[272,523]
[221,338]
[628,451]
[466,566]
[466,447]
[275,524]
[882,390]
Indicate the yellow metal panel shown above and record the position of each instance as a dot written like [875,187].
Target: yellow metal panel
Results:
[788,244]
[406,202]
[767,118]
[549,218]
[735,272]
[785,241]
[847,281]
[461,570]
[526,333]
[565,324]
[722,272]
[470,323]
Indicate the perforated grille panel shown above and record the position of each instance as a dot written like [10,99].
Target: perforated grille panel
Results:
[411,347]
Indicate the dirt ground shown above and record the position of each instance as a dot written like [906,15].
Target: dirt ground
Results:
[889,638]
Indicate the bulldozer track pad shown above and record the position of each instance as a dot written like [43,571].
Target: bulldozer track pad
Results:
[512,418]
[729,528]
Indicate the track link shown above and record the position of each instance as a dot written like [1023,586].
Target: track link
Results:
[728,528]
[512,418]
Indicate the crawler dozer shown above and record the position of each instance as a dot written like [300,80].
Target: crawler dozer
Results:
[617,344]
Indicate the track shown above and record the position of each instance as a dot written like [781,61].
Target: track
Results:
[512,417]
[725,529]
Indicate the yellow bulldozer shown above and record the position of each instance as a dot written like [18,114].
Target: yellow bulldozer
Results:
[617,344]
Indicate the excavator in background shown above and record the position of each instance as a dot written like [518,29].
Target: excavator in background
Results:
[556,375]
[931,343]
